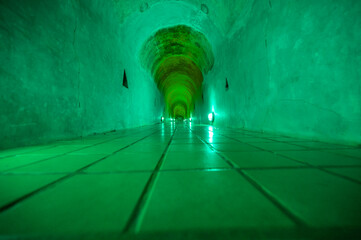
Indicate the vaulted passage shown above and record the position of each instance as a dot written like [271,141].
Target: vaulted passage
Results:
[180,119]
[177,58]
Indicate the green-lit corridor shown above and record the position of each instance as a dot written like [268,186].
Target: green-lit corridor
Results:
[180,119]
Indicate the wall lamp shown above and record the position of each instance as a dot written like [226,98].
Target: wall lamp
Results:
[211,117]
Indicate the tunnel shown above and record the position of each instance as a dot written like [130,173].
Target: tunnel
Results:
[180,119]
[177,58]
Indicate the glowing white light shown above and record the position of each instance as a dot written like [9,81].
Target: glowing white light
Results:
[190,119]
[210,128]
[162,119]
[210,117]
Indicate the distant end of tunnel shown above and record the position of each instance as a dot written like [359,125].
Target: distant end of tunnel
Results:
[178,57]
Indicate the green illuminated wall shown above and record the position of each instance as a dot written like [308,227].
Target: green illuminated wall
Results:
[293,67]
[61,72]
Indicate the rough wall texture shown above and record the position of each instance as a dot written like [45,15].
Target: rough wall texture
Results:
[294,68]
[61,73]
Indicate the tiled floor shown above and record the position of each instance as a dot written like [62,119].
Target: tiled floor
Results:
[181,181]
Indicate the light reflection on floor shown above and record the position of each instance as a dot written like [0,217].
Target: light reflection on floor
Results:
[181,178]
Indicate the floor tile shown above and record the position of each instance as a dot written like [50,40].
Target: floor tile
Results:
[320,145]
[321,199]
[127,161]
[195,189]
[159,139]
[208,200]
[244,136]
[146,148]
[351,172]
[82,204]
[253,140]
[320,158]
[59,149]
[283,139]
[234,147]
[193,160]
[196,141]
[84,142]
[275,146]
[260,159]
[106,148]
[66,163]
[23,150]
[13,187]
[20,160]
[189,147]
[216,139]
[356,153]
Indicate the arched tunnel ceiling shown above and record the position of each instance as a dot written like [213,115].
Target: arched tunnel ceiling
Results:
[177,57]
[222,13]
[175,40]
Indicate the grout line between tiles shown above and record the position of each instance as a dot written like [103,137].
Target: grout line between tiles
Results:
[340,175]
[28,195]
[342,154]
[264,191]
[299,144]
[63,154]
[276,201]
[136,218]
[321,168]
[215,169]
[265,150]
[13,155]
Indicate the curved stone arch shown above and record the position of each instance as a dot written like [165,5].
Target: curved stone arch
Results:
[178,57]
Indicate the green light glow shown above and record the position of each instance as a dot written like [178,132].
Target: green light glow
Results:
[211,117]
[177,58]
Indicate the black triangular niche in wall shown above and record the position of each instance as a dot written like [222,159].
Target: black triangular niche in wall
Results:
[227,87]
[125,80]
